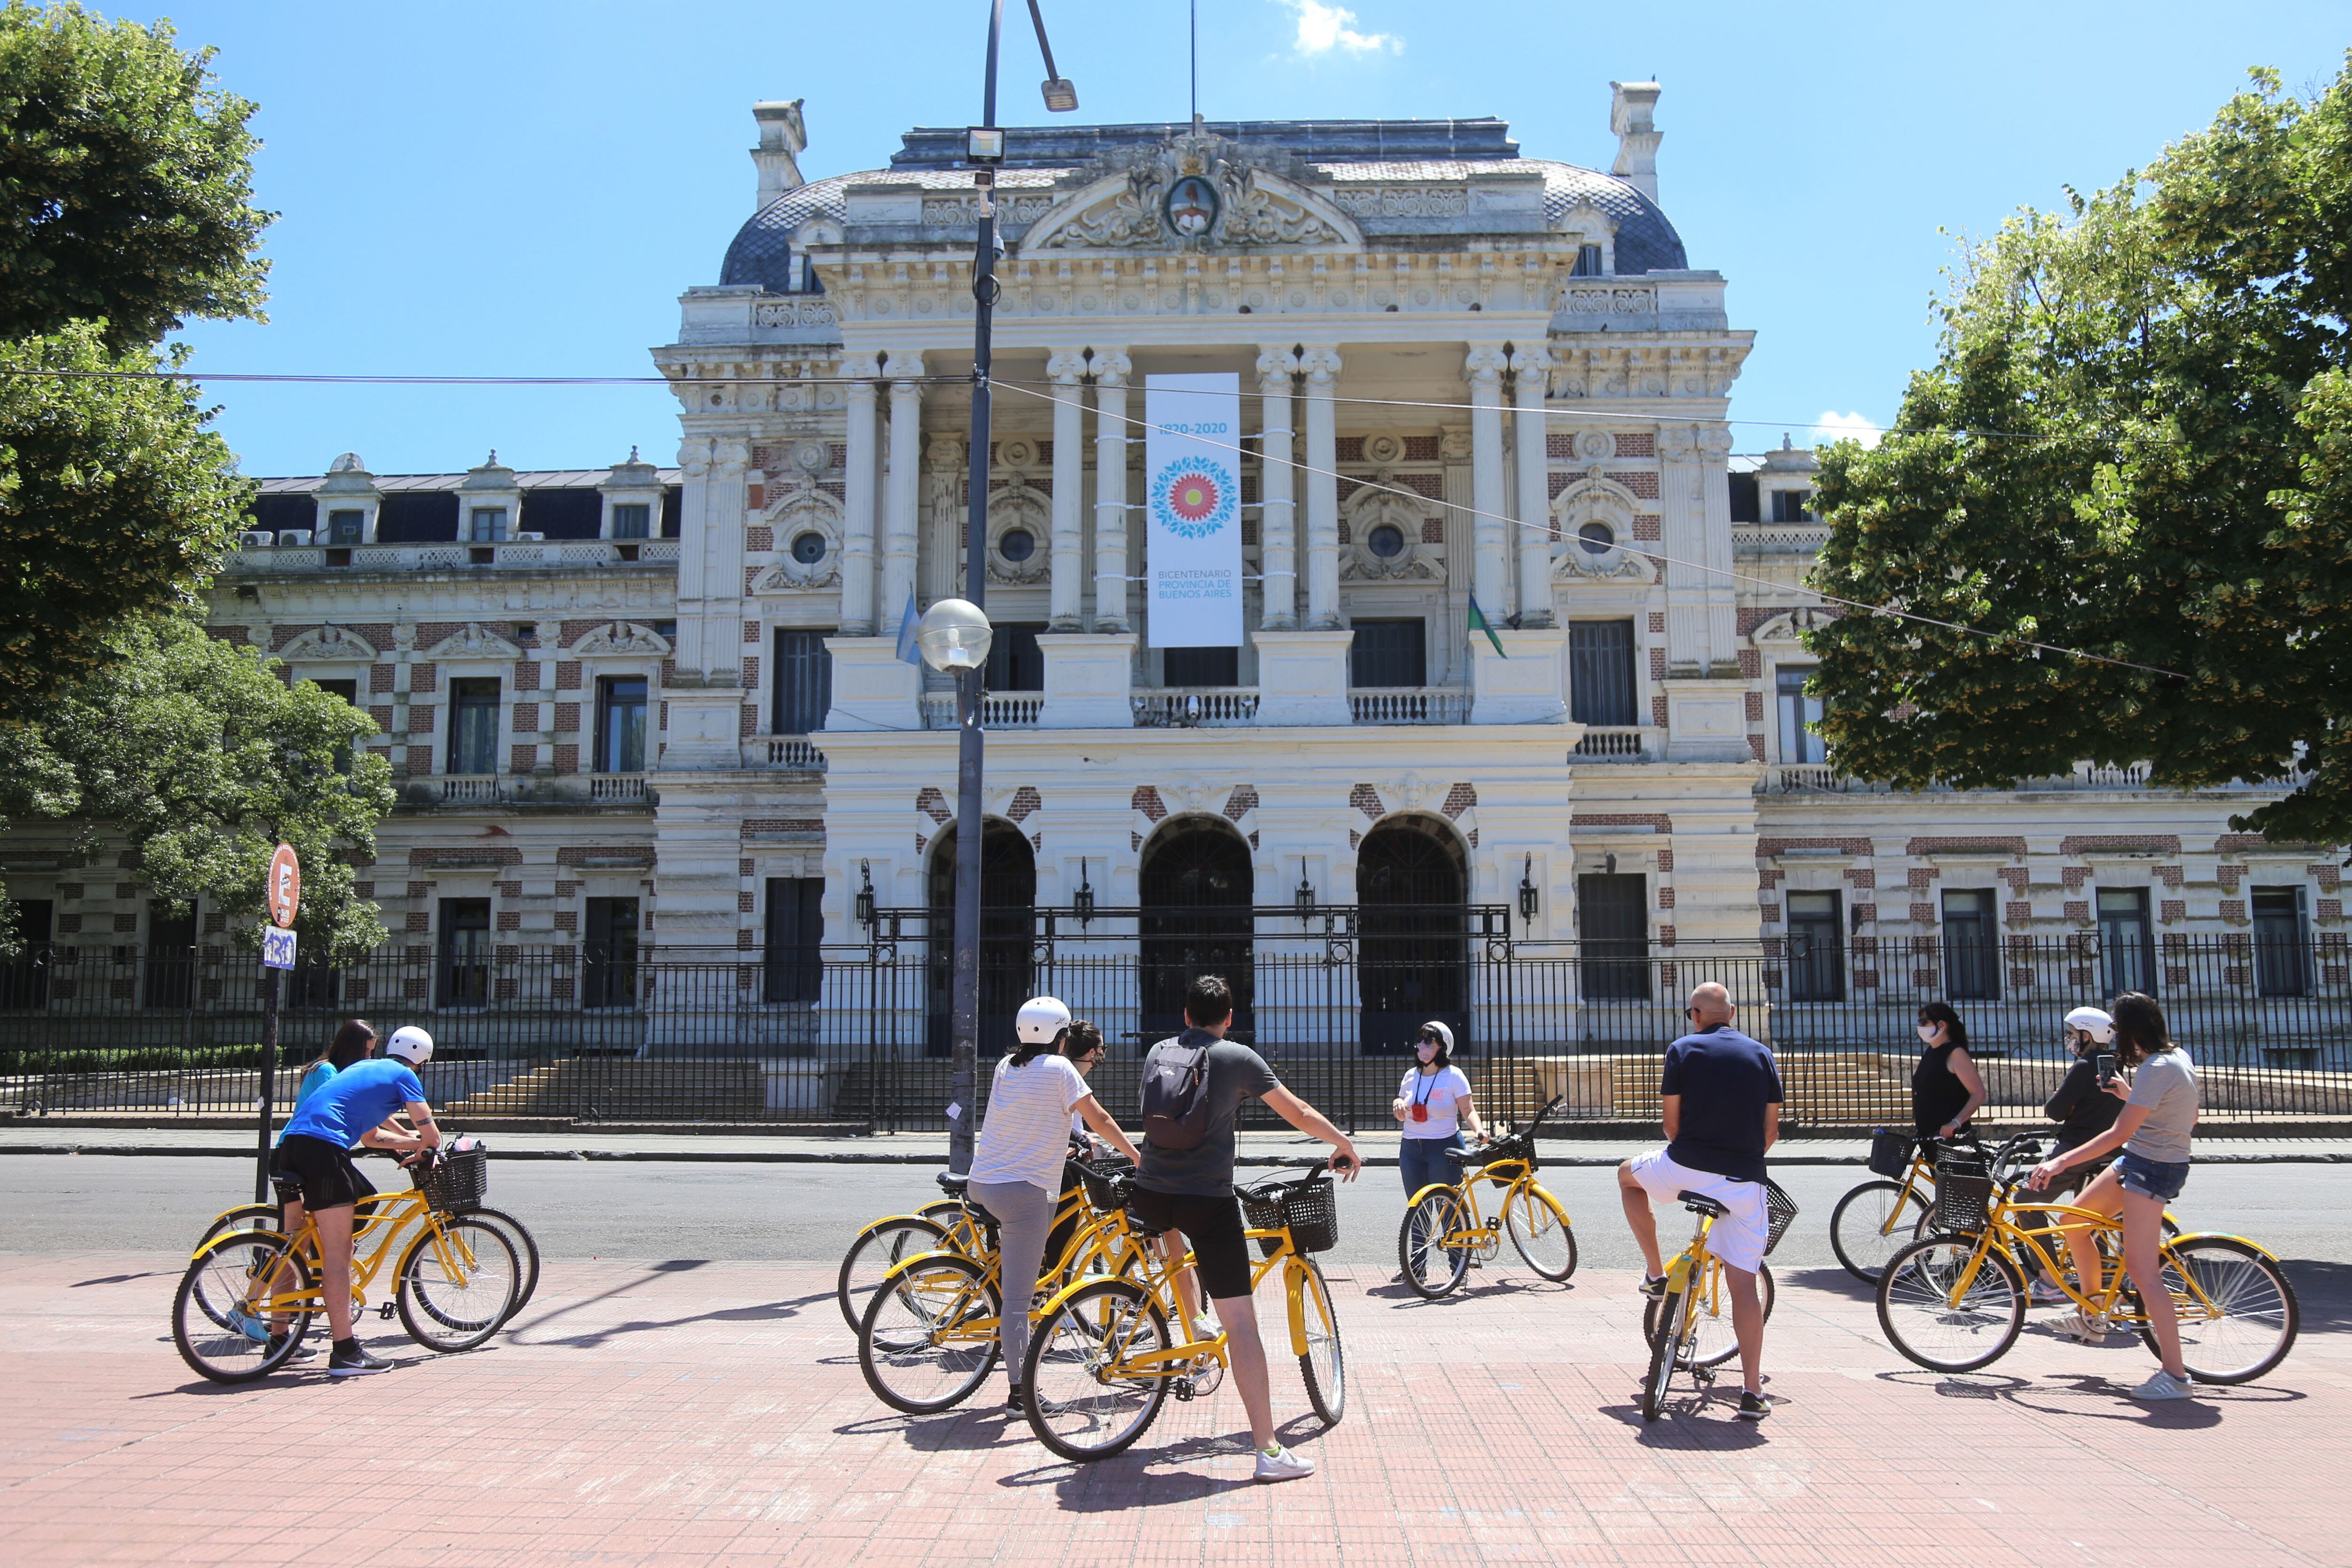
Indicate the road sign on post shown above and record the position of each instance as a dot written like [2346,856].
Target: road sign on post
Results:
[283,896]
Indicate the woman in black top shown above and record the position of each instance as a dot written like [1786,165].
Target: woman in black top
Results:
[2082,1107]
[1945,1087]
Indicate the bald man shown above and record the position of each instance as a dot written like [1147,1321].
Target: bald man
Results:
[1720,1094]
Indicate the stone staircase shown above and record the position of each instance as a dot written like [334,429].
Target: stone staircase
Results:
[624,1090]
[1850,1088]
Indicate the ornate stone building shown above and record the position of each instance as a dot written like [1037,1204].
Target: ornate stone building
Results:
[669,702]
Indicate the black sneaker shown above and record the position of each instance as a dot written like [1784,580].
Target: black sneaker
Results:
[304,1352]
[350,1358]
[1754,1406]
[1653,1285]
[1015,1402]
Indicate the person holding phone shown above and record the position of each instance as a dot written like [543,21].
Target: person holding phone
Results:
[2083,1107]
[1432,1105]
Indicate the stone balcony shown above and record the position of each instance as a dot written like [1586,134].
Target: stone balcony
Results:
[255,558]
[619,794]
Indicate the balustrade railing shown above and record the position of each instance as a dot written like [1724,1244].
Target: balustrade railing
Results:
[998,710]
[1619,743]
[1409,705]
[446,555]
[616,786]
[1189,707]
[472,789]
[786,751]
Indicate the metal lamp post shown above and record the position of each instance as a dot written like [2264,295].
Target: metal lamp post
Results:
[957,642]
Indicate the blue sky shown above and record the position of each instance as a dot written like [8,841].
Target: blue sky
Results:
[524,188]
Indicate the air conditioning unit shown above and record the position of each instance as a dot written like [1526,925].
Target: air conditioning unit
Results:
[297,537]
[531,538]
[256,540]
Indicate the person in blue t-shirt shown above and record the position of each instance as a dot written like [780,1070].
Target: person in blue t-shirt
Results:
[1720,1094]
[352,1108]
[353,1042]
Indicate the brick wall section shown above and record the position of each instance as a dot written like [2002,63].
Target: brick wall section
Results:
[2171,909]
[1919,847]
[526,716]
[1025,801]
[2168,875]
[1366,799]
[1756,748]
[1241,802]
[1657,623]
[1755,704]
[1922,914]
[613,854]
[2017,912]
[2016,876]
[1460,798]
[567,716]
[1751,668]
[423,676]
[2330,875]
[463,859]
[1666,860]
[1657,820]
[1919,875]
[2117,843]
[567,675]
[2079,911]
[1768,847]
[521,759]
[759,538]
[1146,799]
[752,632]
[748,725]
[1862,877]
[1658,711]
[755,826]
[1643,485]
[382,715]
[420,760]
[1769,877]
[2239,843]
[1658,665]
[420,716]
[933,805]
[1636,443]
[1648,528]
[567,758]
[2233,909]
[526,676]
[380,679]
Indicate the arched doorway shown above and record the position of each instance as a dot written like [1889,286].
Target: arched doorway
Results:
[1008,918]
[1195,889]
[1413,889]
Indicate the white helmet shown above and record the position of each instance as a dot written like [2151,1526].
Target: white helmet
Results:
[410,1044]
[2093,1023]
[1041,1021]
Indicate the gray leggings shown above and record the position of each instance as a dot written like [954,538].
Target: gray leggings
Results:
[1023,1214]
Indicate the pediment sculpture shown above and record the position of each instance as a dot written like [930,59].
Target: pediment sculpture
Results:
[473,641]
[1594,518]
[1191,192]
[1370,511]
[1018,509]
[329,643]
[1787,629]
[619,637]
[795,514]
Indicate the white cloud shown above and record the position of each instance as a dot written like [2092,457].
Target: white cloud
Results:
[1836,426]
[1322,28]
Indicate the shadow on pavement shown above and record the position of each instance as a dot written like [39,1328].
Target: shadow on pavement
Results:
[1689,1423]
[529,1333]
[1141,1479]
[2089,1395]
[2323,1292]
[121,1279]
[1404,1296]
[1833,1281]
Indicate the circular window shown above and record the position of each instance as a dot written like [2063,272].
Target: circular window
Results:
[1387,541]
[1018,544]
[808,549]
[1595,538]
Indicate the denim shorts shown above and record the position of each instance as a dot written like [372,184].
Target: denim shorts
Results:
[2151,1178]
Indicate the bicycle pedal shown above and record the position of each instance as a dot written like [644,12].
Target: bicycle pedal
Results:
[1183,1389]
[385,1312]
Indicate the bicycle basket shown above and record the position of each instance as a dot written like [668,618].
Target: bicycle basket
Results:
[1963,1195]
[1518,1146]
[1779,1213]
[1104,1188]
[1311,1211]
[455,1185]
[1890,1152]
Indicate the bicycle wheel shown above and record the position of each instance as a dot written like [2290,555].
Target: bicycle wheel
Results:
[1325,1365]
[1713,1342]
[2238,1314]
[220,1318]
[1872,1223]
[1433,1270]
[1080,1405]
[1665,1349]
[244,1217]
[879,1248]
[457,1283]
[929,1336]
[1933,1322]
[955,1222]
[526,1248]
[1539,1230]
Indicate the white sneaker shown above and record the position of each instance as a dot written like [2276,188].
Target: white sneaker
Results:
[2045,1294]
[2087,1327]
[1282,1465]
[1205,1327]
[2164,1386]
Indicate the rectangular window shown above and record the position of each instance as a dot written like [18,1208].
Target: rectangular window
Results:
[171,953]
[1390,654]
[348,691]
[473,726]
[345,527]
[1789,506]
[1601,672]
[24,979]
[795,934]
[1744,502]
[485,524]
[1613,931]
[620,724]
[1816,948]
[803,689]
[1971,945]
[1016,662]
[609,955]
[463,975]
[2281,967]
[1588,261]
[631,519]
[1200,667]
[2126,940]
[1801,714]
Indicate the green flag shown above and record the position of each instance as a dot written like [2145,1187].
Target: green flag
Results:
[1478,623]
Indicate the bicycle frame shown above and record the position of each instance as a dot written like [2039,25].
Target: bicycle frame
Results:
[1483,1232]
[2105,1300]
[1100,1237]
[455,1257]
[1158,1284]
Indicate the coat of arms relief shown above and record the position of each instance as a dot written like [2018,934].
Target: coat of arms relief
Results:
[1190,193]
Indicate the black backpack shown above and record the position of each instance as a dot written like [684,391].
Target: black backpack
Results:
[1176,1096]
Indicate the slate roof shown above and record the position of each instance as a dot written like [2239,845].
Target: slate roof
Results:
[528,479]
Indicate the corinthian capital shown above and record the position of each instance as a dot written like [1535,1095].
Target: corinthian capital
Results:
[1531,359]
[905,366]
[860,367]
[1715,441]
[1111,367]
[944,452]
[1066,368]
[730,456]
[1677,443]
[1276,364]
[1484,366]
[694,456]
[1321,364]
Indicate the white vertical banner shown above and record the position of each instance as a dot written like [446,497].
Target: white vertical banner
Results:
[1192,501]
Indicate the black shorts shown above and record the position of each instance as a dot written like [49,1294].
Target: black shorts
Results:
[325,1174]
[1213,1227]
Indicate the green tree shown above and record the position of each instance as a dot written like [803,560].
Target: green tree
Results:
[200,758]
[2136,442]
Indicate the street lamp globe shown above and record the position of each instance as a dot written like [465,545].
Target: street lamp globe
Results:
[954,635]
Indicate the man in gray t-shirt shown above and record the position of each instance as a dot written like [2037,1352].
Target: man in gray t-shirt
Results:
[1190,1192]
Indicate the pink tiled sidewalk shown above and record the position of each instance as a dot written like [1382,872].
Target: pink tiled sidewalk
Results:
[712,1413]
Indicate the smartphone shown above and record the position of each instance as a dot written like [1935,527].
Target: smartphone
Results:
[2107,1065]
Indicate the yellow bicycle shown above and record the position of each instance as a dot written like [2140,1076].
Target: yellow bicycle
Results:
[1444,1229]
[1689,1323]
[1109,1352]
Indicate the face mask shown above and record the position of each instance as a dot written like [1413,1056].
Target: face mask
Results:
[1426,1050]
[1928,1033]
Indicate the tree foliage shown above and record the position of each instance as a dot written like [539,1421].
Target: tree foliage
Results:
[2135,442]
[200,758]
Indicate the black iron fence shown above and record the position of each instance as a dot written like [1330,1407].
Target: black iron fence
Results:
[854,1035]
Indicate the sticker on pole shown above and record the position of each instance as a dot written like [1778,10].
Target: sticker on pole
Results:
[285,890]
[277,948]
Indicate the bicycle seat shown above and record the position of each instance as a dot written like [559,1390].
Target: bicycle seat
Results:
[1697,1205]
[952,1183]
[1468,1156]
[979,1213]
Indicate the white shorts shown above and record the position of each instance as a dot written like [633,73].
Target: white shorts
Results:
[1738,1236]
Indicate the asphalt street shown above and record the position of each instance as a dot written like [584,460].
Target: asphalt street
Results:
[802,1212]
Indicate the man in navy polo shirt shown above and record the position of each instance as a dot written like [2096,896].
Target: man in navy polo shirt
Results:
[1720,1094]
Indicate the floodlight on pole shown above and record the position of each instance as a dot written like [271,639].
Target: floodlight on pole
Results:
[954,635]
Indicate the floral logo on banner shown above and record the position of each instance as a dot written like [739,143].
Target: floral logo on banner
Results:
[1192,498]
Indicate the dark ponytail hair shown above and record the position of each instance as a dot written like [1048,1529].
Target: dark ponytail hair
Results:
[1027,1052]
[2140,1028]
[353,1043]
[1955,1032]
[1081,1038]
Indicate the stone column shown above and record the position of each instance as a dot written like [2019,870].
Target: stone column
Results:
[726,502]
[1532,367]
[1277,516]
[543,658]
[902,520]
[857,507]
[1482,369]
[693,563]
[1067,372]
[1454,450]
[942,569]
[1112,432]
[1685,546]
[1722,595]
[1321,364]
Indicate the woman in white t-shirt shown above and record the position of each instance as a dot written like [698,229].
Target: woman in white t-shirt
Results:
[1433,1106]
[1016,1170]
